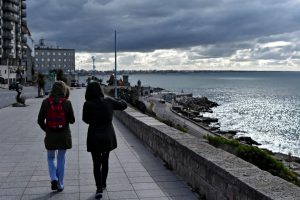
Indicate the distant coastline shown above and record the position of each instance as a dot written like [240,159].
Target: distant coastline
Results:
[91,72]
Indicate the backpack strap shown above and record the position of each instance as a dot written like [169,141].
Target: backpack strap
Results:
[51,101]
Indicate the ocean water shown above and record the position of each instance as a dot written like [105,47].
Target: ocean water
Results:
[262,105]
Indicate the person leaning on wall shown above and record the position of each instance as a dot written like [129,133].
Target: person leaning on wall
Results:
[101,138]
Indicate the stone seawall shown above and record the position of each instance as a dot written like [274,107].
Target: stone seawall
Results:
[212,172]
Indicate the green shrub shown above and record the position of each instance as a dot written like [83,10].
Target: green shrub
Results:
[181,128]
[256,156]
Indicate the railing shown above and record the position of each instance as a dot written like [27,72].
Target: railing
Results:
[7,25]
[7,35]
[24,14]
[23,5]
[11,17]
[24,40]
[14,1]
[10,7]
[24,22]
[7,45]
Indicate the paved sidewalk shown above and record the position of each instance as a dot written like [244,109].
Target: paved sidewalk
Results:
[135,173]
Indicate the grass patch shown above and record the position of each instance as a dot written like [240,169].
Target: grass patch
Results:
[256,156]
[181,128]
[170,123]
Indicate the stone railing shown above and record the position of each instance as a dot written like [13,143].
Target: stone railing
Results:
[212,172]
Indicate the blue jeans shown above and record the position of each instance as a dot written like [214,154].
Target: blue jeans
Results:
[57,166]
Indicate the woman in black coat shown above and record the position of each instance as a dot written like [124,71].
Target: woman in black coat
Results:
[101,138]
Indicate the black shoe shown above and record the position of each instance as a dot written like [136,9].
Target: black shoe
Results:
[60,189]
[103,187]
[54,185]
[98,194]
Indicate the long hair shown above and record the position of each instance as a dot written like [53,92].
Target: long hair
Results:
[93,91]
[58,89]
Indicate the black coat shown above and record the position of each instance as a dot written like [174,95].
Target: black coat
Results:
[98,113]
[57,139]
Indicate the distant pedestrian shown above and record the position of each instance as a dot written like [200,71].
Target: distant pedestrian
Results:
[101,138]
[56,113]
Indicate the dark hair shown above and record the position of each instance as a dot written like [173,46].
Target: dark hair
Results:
[93,91]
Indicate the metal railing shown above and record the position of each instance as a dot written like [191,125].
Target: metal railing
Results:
[7,25]
[23,5]
[11,17]
[11,8]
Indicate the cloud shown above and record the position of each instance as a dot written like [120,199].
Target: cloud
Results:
[194,31]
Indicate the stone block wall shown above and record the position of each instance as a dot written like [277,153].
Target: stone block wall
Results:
[212,172]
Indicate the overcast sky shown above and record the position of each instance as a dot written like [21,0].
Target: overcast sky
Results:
[173,34]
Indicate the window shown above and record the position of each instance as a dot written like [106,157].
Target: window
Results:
[48,53]
[59,53]
[53,53]
[59,59]
[53,59]
[37,59]
[48,59]
[42,53]
[65,60]
[65,53]
[36,53]
[42,59]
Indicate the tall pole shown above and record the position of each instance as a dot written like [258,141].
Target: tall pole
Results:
[116,90]
[8,71]
[93,58]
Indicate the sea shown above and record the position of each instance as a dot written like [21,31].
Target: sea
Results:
[262,105]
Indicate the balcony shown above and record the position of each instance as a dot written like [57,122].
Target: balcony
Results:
[24,22]
[10,7]
[23,5]
[7,45]
[14,1]
[7,53]
[7,26]
[24,40]
[7,35]
[24,14]
[11,17]
[24,46]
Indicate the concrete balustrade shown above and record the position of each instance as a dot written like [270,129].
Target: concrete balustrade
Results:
[214,173]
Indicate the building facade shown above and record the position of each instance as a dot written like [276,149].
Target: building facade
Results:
[49,58]
[13,40]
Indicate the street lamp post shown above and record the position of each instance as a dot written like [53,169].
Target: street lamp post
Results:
[116,87]
[93,58]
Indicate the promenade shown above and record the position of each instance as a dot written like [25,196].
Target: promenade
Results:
[135,173]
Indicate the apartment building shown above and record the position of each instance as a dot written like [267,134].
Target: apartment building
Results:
[48,58]
[13,40]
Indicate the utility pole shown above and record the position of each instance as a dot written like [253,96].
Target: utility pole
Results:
[93,58]
[116,86]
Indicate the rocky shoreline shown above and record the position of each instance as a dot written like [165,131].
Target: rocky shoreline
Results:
[193,109]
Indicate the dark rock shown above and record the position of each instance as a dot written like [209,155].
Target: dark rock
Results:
[248,140]
[209,120]
[199,104]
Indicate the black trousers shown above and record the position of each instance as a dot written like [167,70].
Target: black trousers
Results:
[100,162]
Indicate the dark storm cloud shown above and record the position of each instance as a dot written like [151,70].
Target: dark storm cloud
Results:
[89,25]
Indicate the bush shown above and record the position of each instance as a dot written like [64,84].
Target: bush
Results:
[256,156]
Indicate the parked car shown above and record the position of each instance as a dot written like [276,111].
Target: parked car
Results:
[13,86]
[74,83]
